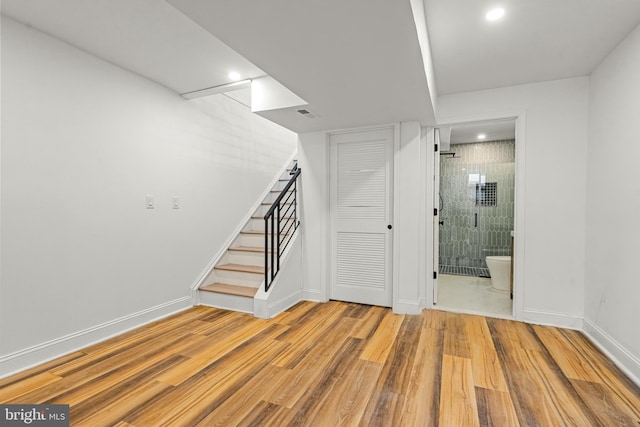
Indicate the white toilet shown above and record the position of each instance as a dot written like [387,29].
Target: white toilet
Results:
[500,270]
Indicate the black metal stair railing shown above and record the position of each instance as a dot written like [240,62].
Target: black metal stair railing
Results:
[280,224]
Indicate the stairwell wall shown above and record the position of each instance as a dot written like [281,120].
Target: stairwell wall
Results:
[83,143]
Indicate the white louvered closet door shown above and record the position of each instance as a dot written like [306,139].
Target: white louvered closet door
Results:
[361,208]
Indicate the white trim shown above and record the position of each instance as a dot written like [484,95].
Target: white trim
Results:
[422,219]
[550,318]
[264,309]
[427,160]
[623,358]
[325,277]
[407,307]
[329,133]
[519,278]
[46,351]
[234,234]
[313,295]
[1,370]
[396,303]
[223,88]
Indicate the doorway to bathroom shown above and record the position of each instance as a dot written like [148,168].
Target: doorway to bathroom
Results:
[476,218]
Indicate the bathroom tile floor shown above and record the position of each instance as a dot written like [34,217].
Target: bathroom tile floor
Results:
[472,295]
[464,271]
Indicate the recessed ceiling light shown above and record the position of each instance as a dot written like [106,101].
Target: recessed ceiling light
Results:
[234,76]
[482,136]
[495,14]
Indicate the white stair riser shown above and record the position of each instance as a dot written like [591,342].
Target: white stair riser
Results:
[263,209]
[246,258]
[281,184]
[259,224]
[256,224]
[255,240]
[227,302]
[237,278]
[289,197]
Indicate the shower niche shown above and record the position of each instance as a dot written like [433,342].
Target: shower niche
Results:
[486,194]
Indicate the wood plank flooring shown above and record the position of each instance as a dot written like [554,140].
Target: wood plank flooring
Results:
[335,364]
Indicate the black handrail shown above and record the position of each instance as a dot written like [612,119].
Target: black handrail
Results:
[279,228]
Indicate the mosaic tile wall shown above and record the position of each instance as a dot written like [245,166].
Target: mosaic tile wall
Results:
[462,243]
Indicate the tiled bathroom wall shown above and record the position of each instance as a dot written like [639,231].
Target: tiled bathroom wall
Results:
[465,241]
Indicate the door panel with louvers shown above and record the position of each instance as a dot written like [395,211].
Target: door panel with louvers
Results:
[361,207]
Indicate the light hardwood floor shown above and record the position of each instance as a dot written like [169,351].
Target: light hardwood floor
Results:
[335,364]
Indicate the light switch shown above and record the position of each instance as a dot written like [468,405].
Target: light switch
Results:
[175,202]
[149,202]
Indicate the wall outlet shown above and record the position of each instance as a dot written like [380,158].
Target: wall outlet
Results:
[175,202]
[149,202]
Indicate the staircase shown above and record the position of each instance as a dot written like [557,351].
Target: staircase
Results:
[240,273]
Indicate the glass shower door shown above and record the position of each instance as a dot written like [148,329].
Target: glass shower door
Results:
[479,198]
[485,201]
[477,194]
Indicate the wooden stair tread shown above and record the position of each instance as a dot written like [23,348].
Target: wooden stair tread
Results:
[252,232]
[243,268]
[223,288]
[258,232]
[247,249]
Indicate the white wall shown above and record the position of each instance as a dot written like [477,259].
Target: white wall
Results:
[83,142]
[313,158]
[408,223]
[613,205]
[551,190]
[552,162]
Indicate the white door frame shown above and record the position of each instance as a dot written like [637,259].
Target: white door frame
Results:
[434,143]
[519,214]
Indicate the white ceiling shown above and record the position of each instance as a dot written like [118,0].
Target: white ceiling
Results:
[353,68]
[355,62]
[537,40]
[494,130]
[148,37]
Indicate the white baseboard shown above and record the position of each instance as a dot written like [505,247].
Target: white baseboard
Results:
[407,307]
[622,357]
[548,318]
[267,310]
[44,352]
[313,295]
